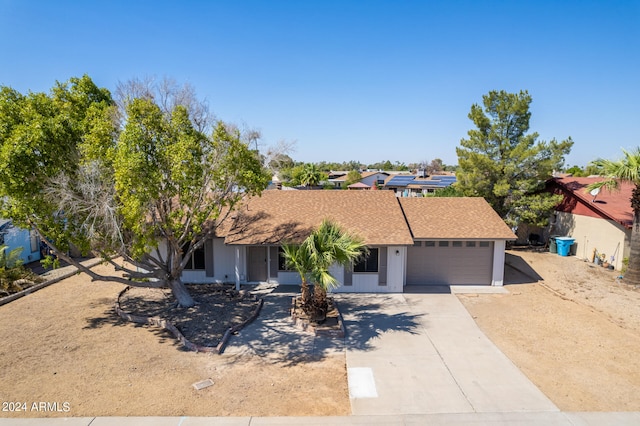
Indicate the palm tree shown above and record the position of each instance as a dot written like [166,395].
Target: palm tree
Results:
[326,246]
[626,169]
[311,176]
[297,258]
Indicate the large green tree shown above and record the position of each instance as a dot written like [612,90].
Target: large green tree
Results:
[139,181]
[627,169]
[503,163]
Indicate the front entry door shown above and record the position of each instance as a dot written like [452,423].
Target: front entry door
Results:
[256,264]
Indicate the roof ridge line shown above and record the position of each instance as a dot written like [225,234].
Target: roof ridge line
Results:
[404,215]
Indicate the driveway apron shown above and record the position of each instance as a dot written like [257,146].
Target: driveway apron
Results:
[423,354]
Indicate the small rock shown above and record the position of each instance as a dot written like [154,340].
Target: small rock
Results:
[203,384]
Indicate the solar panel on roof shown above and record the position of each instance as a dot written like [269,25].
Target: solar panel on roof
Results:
[401,180]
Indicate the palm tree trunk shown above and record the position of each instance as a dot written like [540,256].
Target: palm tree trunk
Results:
[320,304]
[305,292]
[632,276]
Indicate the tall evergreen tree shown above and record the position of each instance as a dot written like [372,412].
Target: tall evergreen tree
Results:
[503,163]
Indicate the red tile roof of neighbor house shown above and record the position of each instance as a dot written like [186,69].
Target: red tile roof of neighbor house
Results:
[614,205]
[454,218]
[376,216]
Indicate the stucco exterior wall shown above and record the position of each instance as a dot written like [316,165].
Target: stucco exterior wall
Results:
[497,278]
[606,236]
[17,237]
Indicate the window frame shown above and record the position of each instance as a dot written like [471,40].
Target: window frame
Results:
[367,263]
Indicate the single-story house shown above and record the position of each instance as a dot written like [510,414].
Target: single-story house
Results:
[374,178]
[408,185]
[602,221]
[337,178]
[412,242]
[14,237]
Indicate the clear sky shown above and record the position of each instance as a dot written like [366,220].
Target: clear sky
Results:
[352,80]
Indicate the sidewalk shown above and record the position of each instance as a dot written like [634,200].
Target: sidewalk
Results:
[456,419]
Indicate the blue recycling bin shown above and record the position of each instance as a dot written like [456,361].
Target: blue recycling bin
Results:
[564,245]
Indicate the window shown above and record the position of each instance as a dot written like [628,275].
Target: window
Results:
[197,261]
[471,243]
[443,243]
[417,243]
[429,243]
[457,244]
[369,263]
[35,244]
[484,243]
[282,263]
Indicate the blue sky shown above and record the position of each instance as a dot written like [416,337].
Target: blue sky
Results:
[352,80]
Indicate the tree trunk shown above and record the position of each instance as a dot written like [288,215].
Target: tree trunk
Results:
[306,292]
[320,305]
[180,292]
[632,275]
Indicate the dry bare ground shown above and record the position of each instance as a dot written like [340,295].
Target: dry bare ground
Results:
[575,333]
[64,344]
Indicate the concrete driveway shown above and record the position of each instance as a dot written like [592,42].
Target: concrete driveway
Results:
[405,354]
[424,354]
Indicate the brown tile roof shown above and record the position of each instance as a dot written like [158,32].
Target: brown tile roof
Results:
[454,218]
[281,216]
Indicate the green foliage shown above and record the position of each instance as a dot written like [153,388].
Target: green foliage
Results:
[10,259]
[330,244]
[505,165]
[576,171]
[119,182]
[42,136]
[297,258]
[352,177]
[327,245]
[626,169]
[388,165]
[310,175]
[12,272]
[449,191]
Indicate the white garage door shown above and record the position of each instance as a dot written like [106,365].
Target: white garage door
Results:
[450,262]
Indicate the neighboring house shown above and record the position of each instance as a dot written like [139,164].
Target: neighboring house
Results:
[374,178]
[602,222]
[408,185]
[421,241]
[337,178]
[14,237]
[360,186]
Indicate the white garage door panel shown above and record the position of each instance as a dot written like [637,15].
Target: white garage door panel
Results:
[449,265]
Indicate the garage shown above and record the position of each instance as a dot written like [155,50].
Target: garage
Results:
[443,262]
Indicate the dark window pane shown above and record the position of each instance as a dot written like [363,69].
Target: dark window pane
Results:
[282,263]
[368,264]
[198,259]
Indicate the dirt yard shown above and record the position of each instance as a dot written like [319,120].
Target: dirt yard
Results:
[65,350]
[575,333]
